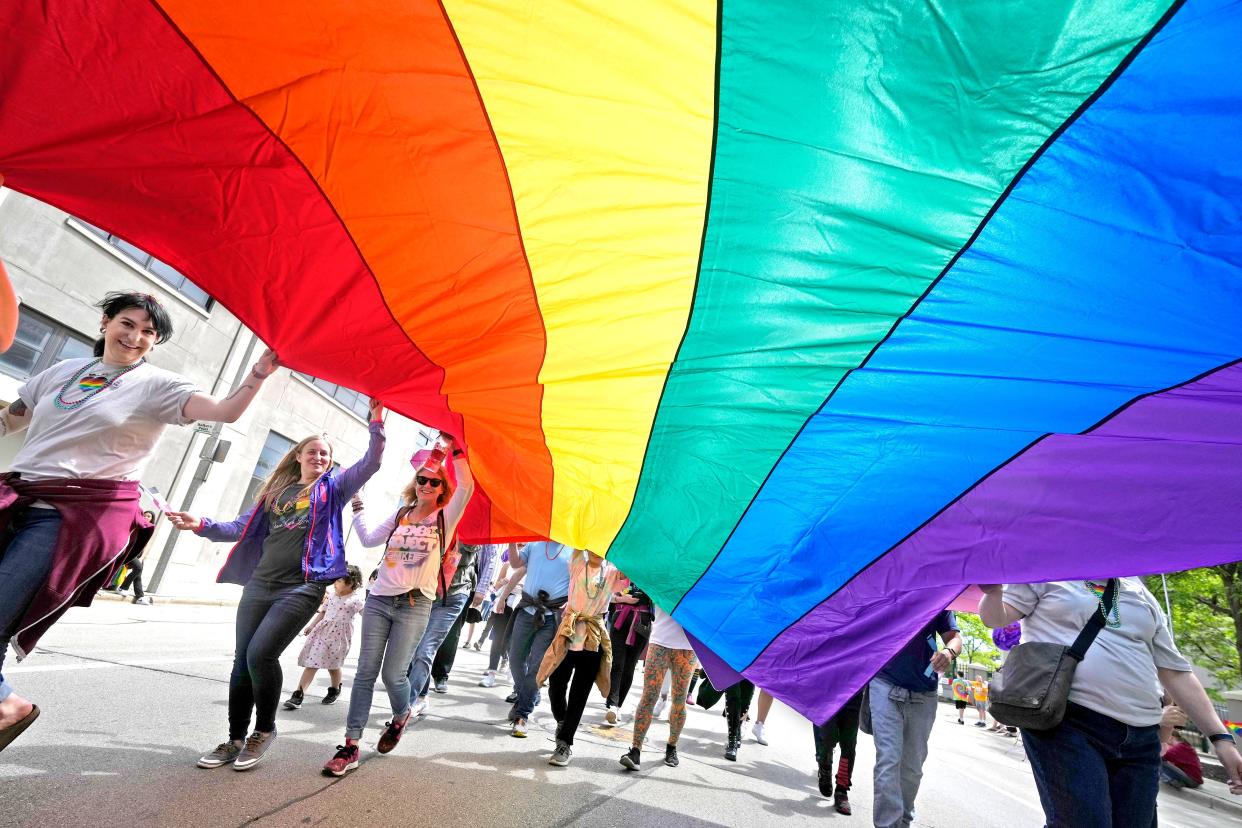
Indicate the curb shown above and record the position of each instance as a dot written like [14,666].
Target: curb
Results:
[170,599]
[1207,800]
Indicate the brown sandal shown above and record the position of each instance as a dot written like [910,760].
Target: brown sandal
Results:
[14,730]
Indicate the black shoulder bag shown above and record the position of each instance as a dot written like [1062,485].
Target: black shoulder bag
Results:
[1033,687]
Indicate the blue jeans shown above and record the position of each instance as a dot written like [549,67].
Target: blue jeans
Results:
[901,724]
[268,619]
[1093,771]
[444,612]
[528,642]
[25,559]
[391,626]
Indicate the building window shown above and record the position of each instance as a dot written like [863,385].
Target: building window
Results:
[40,343]
[360,404]
[274,448]
[160,270]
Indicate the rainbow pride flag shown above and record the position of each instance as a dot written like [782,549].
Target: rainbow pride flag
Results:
[808,313]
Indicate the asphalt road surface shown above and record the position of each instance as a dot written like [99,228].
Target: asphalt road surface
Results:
[132,695]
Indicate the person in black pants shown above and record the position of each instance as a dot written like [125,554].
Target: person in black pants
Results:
[133,560]
[629,627]
[447,654]
[841,729]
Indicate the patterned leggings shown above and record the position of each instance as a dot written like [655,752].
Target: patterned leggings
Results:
[659,661]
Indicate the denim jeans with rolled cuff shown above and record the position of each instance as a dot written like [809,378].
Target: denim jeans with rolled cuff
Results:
[392,625]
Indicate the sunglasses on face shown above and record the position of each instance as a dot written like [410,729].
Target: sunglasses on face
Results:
[433,482]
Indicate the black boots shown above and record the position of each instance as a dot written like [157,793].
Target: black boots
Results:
[734,718]
[333,693]
[295,701]
[670,756]
[632,760]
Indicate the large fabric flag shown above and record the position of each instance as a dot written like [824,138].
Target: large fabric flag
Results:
[808,313]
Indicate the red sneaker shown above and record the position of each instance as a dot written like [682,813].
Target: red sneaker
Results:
[346,759]
[392,734]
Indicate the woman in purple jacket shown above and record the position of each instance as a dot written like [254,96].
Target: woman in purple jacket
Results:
[289,548]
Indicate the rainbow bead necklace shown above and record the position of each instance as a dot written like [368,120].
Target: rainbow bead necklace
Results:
[94,390]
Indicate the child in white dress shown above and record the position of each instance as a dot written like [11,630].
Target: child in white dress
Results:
[328,637]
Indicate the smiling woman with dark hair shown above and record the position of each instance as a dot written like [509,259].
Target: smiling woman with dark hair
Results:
[69,503]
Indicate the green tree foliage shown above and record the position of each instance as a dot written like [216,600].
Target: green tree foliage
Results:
[1207,617]
[977,646]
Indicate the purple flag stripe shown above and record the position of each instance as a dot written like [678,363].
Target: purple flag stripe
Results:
[1154,484]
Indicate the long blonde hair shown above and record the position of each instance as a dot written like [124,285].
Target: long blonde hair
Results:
[410,495]
[289,471]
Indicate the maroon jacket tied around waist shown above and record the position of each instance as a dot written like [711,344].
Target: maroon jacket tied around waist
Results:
[101,519]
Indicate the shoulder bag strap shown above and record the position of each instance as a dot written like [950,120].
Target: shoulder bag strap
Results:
[1095,623]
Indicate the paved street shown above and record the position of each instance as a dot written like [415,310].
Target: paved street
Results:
[132,695]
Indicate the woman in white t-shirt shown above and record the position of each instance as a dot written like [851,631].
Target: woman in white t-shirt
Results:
[71,494]
[1100,766]
[668,649]
[399,603]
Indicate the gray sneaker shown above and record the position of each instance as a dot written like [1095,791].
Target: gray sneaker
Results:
[254,751]
[560,756]
[224,753]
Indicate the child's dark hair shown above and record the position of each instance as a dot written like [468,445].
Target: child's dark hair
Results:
[120,300]
[354,575]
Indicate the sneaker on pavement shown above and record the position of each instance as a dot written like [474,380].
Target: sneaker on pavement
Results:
[441,685]
[757,731]
[670,756]
[658,709]
[255,749]
[841,802]
[610,715]
[332,694]
[295,701]
[419,708]
[632,760]
[345,760]
[146,599]
[518,730]
[488,680]
[466,646]
[478,646]
[980,724]
[511,698]
[561,756]
[224,753]
[392,734]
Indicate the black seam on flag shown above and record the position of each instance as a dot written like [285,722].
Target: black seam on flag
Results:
[698,273]
[517,224]
[314,182]
[1086,104]
[1106,419]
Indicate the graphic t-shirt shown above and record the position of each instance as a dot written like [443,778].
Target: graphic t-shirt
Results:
[980,689]
[961,690]
[110,421]
[288,519]
[411,559]
[411,556]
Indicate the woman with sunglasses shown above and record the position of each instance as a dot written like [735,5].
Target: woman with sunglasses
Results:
[289,549]
[399,604]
